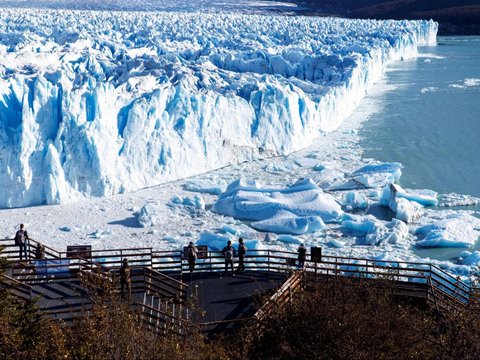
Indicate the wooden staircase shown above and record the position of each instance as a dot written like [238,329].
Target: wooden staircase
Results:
[63,287]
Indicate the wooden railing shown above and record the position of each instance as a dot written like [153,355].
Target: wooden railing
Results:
[257,260]
[149,281]
[16,288]
[12,251]
[113,258]
[163,314]
[432,283]
[280,299]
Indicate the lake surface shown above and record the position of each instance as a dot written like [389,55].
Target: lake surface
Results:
[430,121]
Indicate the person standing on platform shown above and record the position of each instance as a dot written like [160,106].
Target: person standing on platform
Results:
[125,279]
[302,254]
[228,252]
[242,250]
[22,241]
[192,254]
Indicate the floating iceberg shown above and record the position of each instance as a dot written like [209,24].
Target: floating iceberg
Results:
[218,242]
[470,258]
[456,230]
[207,187]
[288,223]
[407,205]
[196,202]
[289,239]
[373,176]
[374,232]
[298,209]
[99,103]
[337,244]
[355,200]
[407,211]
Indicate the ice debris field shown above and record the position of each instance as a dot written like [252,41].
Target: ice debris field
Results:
[253,112]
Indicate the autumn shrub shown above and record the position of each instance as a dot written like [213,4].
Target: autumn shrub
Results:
[363,319]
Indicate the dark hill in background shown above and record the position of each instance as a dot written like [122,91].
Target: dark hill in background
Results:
[454,16]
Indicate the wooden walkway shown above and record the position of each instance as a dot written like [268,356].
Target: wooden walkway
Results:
[229,300]
[162,285]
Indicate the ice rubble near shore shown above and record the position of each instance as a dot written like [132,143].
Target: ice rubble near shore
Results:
[305,208]
[94,104]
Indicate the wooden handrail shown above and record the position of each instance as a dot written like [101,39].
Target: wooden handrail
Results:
[445,274]
[272,303]
[16,288]
[219,322]
[274,260]
[48,250]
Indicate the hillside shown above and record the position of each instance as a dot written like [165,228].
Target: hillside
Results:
[454,16]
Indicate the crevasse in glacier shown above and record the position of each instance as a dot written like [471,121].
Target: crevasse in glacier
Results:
[94,104]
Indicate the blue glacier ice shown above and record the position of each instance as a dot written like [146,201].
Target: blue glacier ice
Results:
[244,6]
[298,209]
[218,242]
[99,103]
[372,176]
[355,200]
[286,223]
[372,231]
[407,204]
[455,230]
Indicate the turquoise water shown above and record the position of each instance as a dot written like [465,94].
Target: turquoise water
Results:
[430,122]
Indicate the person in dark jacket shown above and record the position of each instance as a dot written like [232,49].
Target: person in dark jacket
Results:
[302,254]
[242,250]
[125,279]
[22,241]
[228,252]
[192,254]
[40,252]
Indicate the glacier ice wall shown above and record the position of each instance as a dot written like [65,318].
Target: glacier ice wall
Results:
[93,104]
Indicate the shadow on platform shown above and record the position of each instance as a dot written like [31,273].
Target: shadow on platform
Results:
[229,298]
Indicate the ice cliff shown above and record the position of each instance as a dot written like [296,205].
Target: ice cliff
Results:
[93,104]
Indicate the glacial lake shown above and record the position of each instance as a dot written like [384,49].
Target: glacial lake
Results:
[428,119]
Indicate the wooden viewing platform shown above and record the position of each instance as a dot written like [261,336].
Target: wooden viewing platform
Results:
[161,283]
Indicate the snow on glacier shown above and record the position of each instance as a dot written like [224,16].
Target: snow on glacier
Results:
[248,6]
[94,104]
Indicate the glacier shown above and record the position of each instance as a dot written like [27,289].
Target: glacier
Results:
[99,103]
[244,6]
